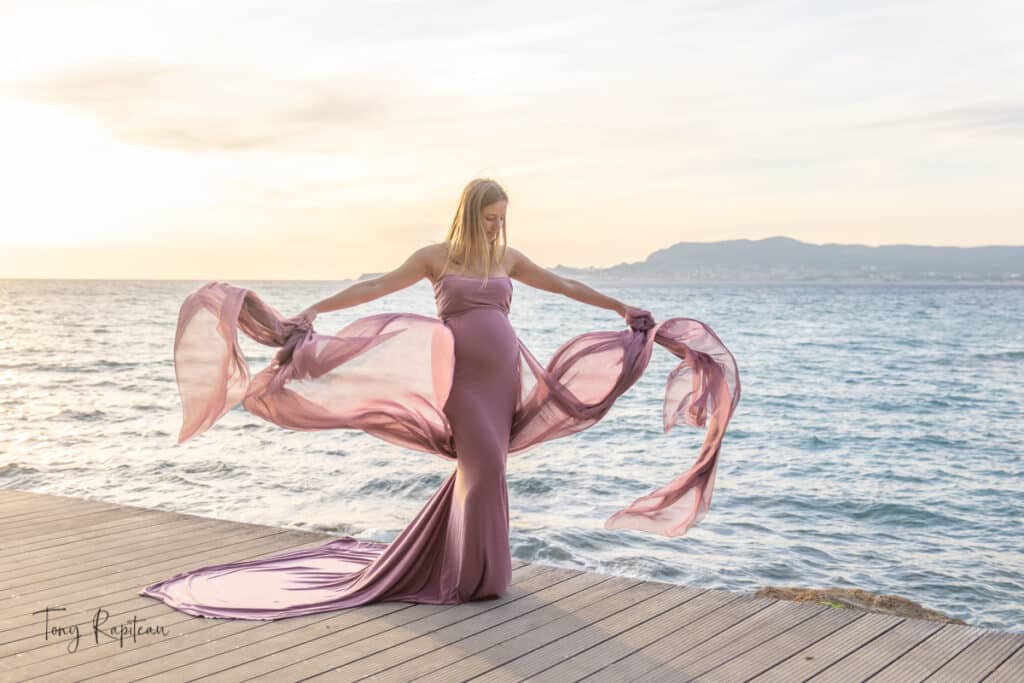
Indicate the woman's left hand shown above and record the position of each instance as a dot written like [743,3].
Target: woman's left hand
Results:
[309,315]
[638,318]
[632,311]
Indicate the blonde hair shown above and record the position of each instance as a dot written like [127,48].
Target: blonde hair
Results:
[467,241]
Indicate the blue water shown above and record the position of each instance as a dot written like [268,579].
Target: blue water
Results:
[877,443]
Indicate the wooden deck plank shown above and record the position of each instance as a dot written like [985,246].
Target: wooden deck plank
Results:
[13,511]
[28,529]
[170,560]
[111,525]
[827,651]
[386,663]
[782,646]
[689,634]
[980,658]
[329,662]
[22,633]
[181,624]
[15,508]
[293,637]
[177,623]
[875,655]
[377,638]
[54,657]
[531,615]
[1011,670]
[509,659]
[920,662]
[104,582]
[733,642]
[566,637]
[43,537]
[611,650]
[16,503]
[41,546]
[555,625]
[114,594]
[143,544]
[66,527]
[97,568]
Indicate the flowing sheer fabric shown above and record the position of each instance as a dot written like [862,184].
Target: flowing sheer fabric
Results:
[391,375]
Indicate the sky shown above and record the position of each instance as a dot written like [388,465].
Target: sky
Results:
[324,140]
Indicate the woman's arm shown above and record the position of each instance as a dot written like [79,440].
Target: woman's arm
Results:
[529,273]
[414,269]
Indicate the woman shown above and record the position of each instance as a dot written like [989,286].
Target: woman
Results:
[464,387]
[471,247]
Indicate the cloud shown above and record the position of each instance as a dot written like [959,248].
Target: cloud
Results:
[987,119]
[185,109]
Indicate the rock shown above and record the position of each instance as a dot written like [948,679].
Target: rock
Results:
[855,598]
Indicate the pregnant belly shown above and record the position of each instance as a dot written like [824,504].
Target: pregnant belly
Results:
[485,345]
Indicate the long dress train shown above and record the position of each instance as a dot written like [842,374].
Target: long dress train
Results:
[463,387]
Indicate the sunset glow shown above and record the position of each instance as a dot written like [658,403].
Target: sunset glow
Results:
[341,134]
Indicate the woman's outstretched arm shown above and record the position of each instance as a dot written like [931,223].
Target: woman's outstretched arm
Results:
[529,273]
[415,268]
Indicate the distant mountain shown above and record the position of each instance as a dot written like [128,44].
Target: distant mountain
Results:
[782,259]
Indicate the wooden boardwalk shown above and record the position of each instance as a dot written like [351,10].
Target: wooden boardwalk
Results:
[90,558]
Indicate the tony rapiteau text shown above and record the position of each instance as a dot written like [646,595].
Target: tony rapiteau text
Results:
[118,632]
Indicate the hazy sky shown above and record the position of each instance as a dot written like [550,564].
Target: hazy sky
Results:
[220,140]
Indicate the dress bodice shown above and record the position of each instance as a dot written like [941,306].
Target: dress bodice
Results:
[455,294]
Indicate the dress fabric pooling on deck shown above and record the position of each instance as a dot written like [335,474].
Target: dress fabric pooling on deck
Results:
[463,387]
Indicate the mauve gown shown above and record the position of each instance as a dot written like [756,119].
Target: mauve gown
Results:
[454,387]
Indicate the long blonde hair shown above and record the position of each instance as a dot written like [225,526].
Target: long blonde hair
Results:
[467,241]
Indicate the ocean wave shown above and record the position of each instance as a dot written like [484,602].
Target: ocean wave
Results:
[999,355]
[418,485]
[529,486]
[79,415]
[15,468]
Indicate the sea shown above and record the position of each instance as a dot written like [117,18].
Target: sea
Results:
[878,443]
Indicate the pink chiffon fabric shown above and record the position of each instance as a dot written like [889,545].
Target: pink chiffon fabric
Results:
[391,375]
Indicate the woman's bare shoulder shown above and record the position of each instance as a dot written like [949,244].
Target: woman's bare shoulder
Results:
[437,255]
[512,260]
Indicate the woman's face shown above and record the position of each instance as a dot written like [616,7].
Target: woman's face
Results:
[493,219]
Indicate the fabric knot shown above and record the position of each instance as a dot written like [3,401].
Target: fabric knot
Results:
[641,321]
[293,330]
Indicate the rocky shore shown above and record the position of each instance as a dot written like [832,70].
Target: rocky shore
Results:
[855,598]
